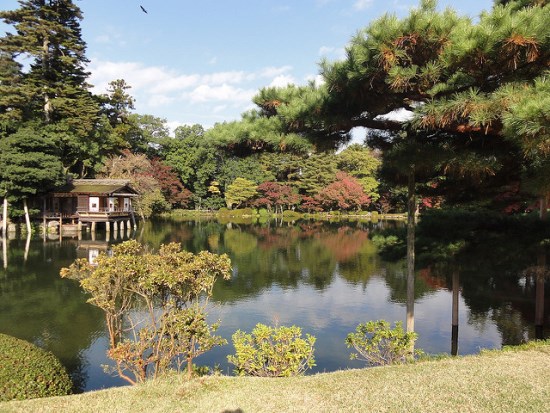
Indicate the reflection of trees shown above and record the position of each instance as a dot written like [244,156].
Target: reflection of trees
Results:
[287,256]
[38,306]
[240,242]
[495,255]
[395,276]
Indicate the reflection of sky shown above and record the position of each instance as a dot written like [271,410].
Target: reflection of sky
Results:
[433,317]
[329,313]
[333,313]
[97,357]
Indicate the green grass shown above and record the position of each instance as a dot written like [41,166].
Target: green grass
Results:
[515,380]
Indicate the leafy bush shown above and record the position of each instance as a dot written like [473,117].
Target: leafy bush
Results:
[291,214]
[28,371]
[272,352]
[170,288]
[378,344]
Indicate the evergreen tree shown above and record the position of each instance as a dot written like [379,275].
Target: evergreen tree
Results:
[12,98]
[29,166]
[48,34]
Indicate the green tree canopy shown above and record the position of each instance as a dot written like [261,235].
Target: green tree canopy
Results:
[55,85]
[29,165]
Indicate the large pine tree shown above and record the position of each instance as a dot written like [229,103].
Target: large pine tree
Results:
[48,35]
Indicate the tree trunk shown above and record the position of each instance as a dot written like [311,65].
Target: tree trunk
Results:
[543,212]
[27,218]
[411,198]
[5,218]
[45,66]
[27,247]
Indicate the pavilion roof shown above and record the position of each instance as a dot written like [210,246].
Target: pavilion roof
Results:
[105,187]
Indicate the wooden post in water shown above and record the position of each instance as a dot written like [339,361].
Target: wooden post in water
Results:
[411,207]
[539,294]
[454,322]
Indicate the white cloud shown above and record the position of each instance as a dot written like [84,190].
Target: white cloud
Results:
[219,108]
[104,38]
[225,77]
[324,50]
[188,97]
[318,79]
[334,52]
[207,93]
[274,71]
[173,125]
[362,4]
[282,80]
[159,100]
[172,84]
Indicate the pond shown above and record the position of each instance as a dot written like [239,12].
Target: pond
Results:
[324,277]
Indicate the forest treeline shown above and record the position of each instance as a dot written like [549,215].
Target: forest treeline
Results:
[456,110]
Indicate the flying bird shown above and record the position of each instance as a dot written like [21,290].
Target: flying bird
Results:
[143,8]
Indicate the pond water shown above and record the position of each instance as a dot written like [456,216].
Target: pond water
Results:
[323,277]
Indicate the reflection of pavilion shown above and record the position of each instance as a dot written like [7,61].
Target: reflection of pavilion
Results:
[90,249]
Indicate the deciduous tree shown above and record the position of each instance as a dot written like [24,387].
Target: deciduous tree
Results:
[239,192]
[346,193]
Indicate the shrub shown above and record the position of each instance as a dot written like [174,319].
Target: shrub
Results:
[170,288]
[272,352]
[291,214]
[28,371]
[378,344]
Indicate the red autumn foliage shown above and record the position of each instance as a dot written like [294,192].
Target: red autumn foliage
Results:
[310,204]
[170,185]
[346,193]
[273,194]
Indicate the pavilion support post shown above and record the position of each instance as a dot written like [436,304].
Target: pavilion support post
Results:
[133,220]
[93,227]
[60,226]
[108,226]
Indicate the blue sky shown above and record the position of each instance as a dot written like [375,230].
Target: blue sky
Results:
[202,61]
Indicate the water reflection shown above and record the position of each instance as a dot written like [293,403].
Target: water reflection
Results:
[324,277]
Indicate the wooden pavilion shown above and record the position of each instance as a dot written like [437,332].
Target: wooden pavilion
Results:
[89,201]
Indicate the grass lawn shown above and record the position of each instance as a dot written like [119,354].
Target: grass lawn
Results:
[514,380]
